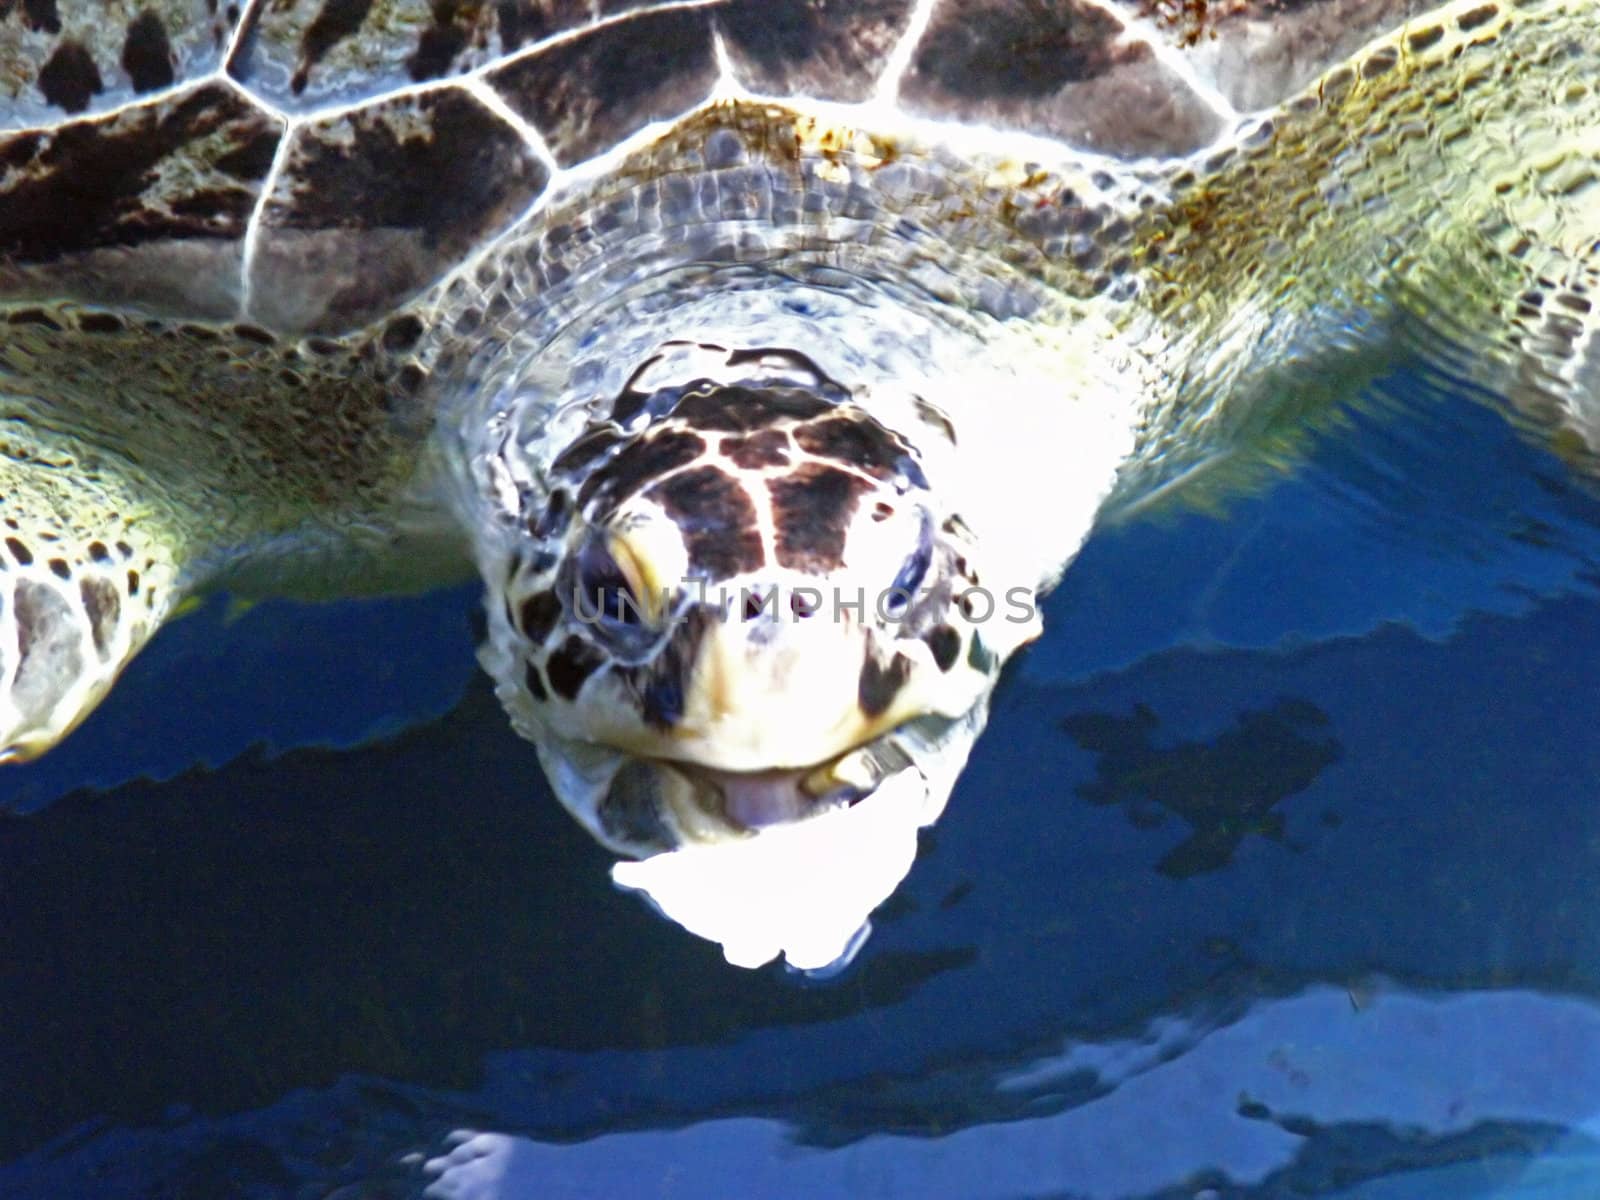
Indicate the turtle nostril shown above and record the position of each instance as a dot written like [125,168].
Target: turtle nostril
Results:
[801,606]
[760,600]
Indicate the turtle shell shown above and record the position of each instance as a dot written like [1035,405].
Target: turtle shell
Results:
[307,165]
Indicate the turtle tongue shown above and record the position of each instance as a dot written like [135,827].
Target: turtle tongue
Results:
[757,799]
[656,804]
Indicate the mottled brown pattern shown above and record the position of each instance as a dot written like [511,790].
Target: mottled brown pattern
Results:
[811,509]
[879,684]
[204,431]
[1017,49]
[1185,22]
[423,177]
[1060,69]
[537,616]
[717,520]
[766,448]
[335,21]
[641,463]
[945,645]
[742,409]
[80,56]
[305,53]
[571,665]
[147,54]
[301,53]
[858,442]
[42,15]
[830,49]
[524,22]
[186,168]
[587,94]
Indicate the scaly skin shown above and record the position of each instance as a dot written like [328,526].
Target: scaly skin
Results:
[89,574]
[1439,193]
[144,462]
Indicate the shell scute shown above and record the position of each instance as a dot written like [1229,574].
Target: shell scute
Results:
[303,53]
[306,54]
[383,200]
[1258,53]
[828,49]
[59,60]
[1061,70]
[168,183]
[587,94]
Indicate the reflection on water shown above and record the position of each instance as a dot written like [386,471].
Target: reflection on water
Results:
[214,686]
[277,924]
[296,975]
[1225,789]
[1286,1101]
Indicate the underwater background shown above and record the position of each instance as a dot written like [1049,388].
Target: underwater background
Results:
[1276,874]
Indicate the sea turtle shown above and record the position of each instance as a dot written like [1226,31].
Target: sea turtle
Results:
[767,358]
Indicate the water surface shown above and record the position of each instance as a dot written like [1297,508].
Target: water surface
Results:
[1274,876]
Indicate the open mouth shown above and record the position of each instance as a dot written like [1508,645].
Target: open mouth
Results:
[783,862]
[656,804]
[764,863]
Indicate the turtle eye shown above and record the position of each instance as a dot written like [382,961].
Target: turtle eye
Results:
[912,572]
[604,593]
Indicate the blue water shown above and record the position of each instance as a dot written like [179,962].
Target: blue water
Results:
[1276,875]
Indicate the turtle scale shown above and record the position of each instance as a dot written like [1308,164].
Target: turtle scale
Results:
[1257,54]
[583,74]
[169,185]
[308,54]
[587,94]
[1065,71]
[60,57]
[827,49]
[358,201]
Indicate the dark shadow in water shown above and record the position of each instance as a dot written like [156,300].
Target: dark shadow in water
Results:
[401,910]
[1225,789]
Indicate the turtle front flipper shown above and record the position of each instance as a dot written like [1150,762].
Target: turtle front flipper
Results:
[1436,197]
[144,458]
[85,580]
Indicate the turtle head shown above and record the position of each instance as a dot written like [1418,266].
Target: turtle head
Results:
[737,614]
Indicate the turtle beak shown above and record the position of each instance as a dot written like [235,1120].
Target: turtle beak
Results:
[682,803]
[800,888]
[773,692]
